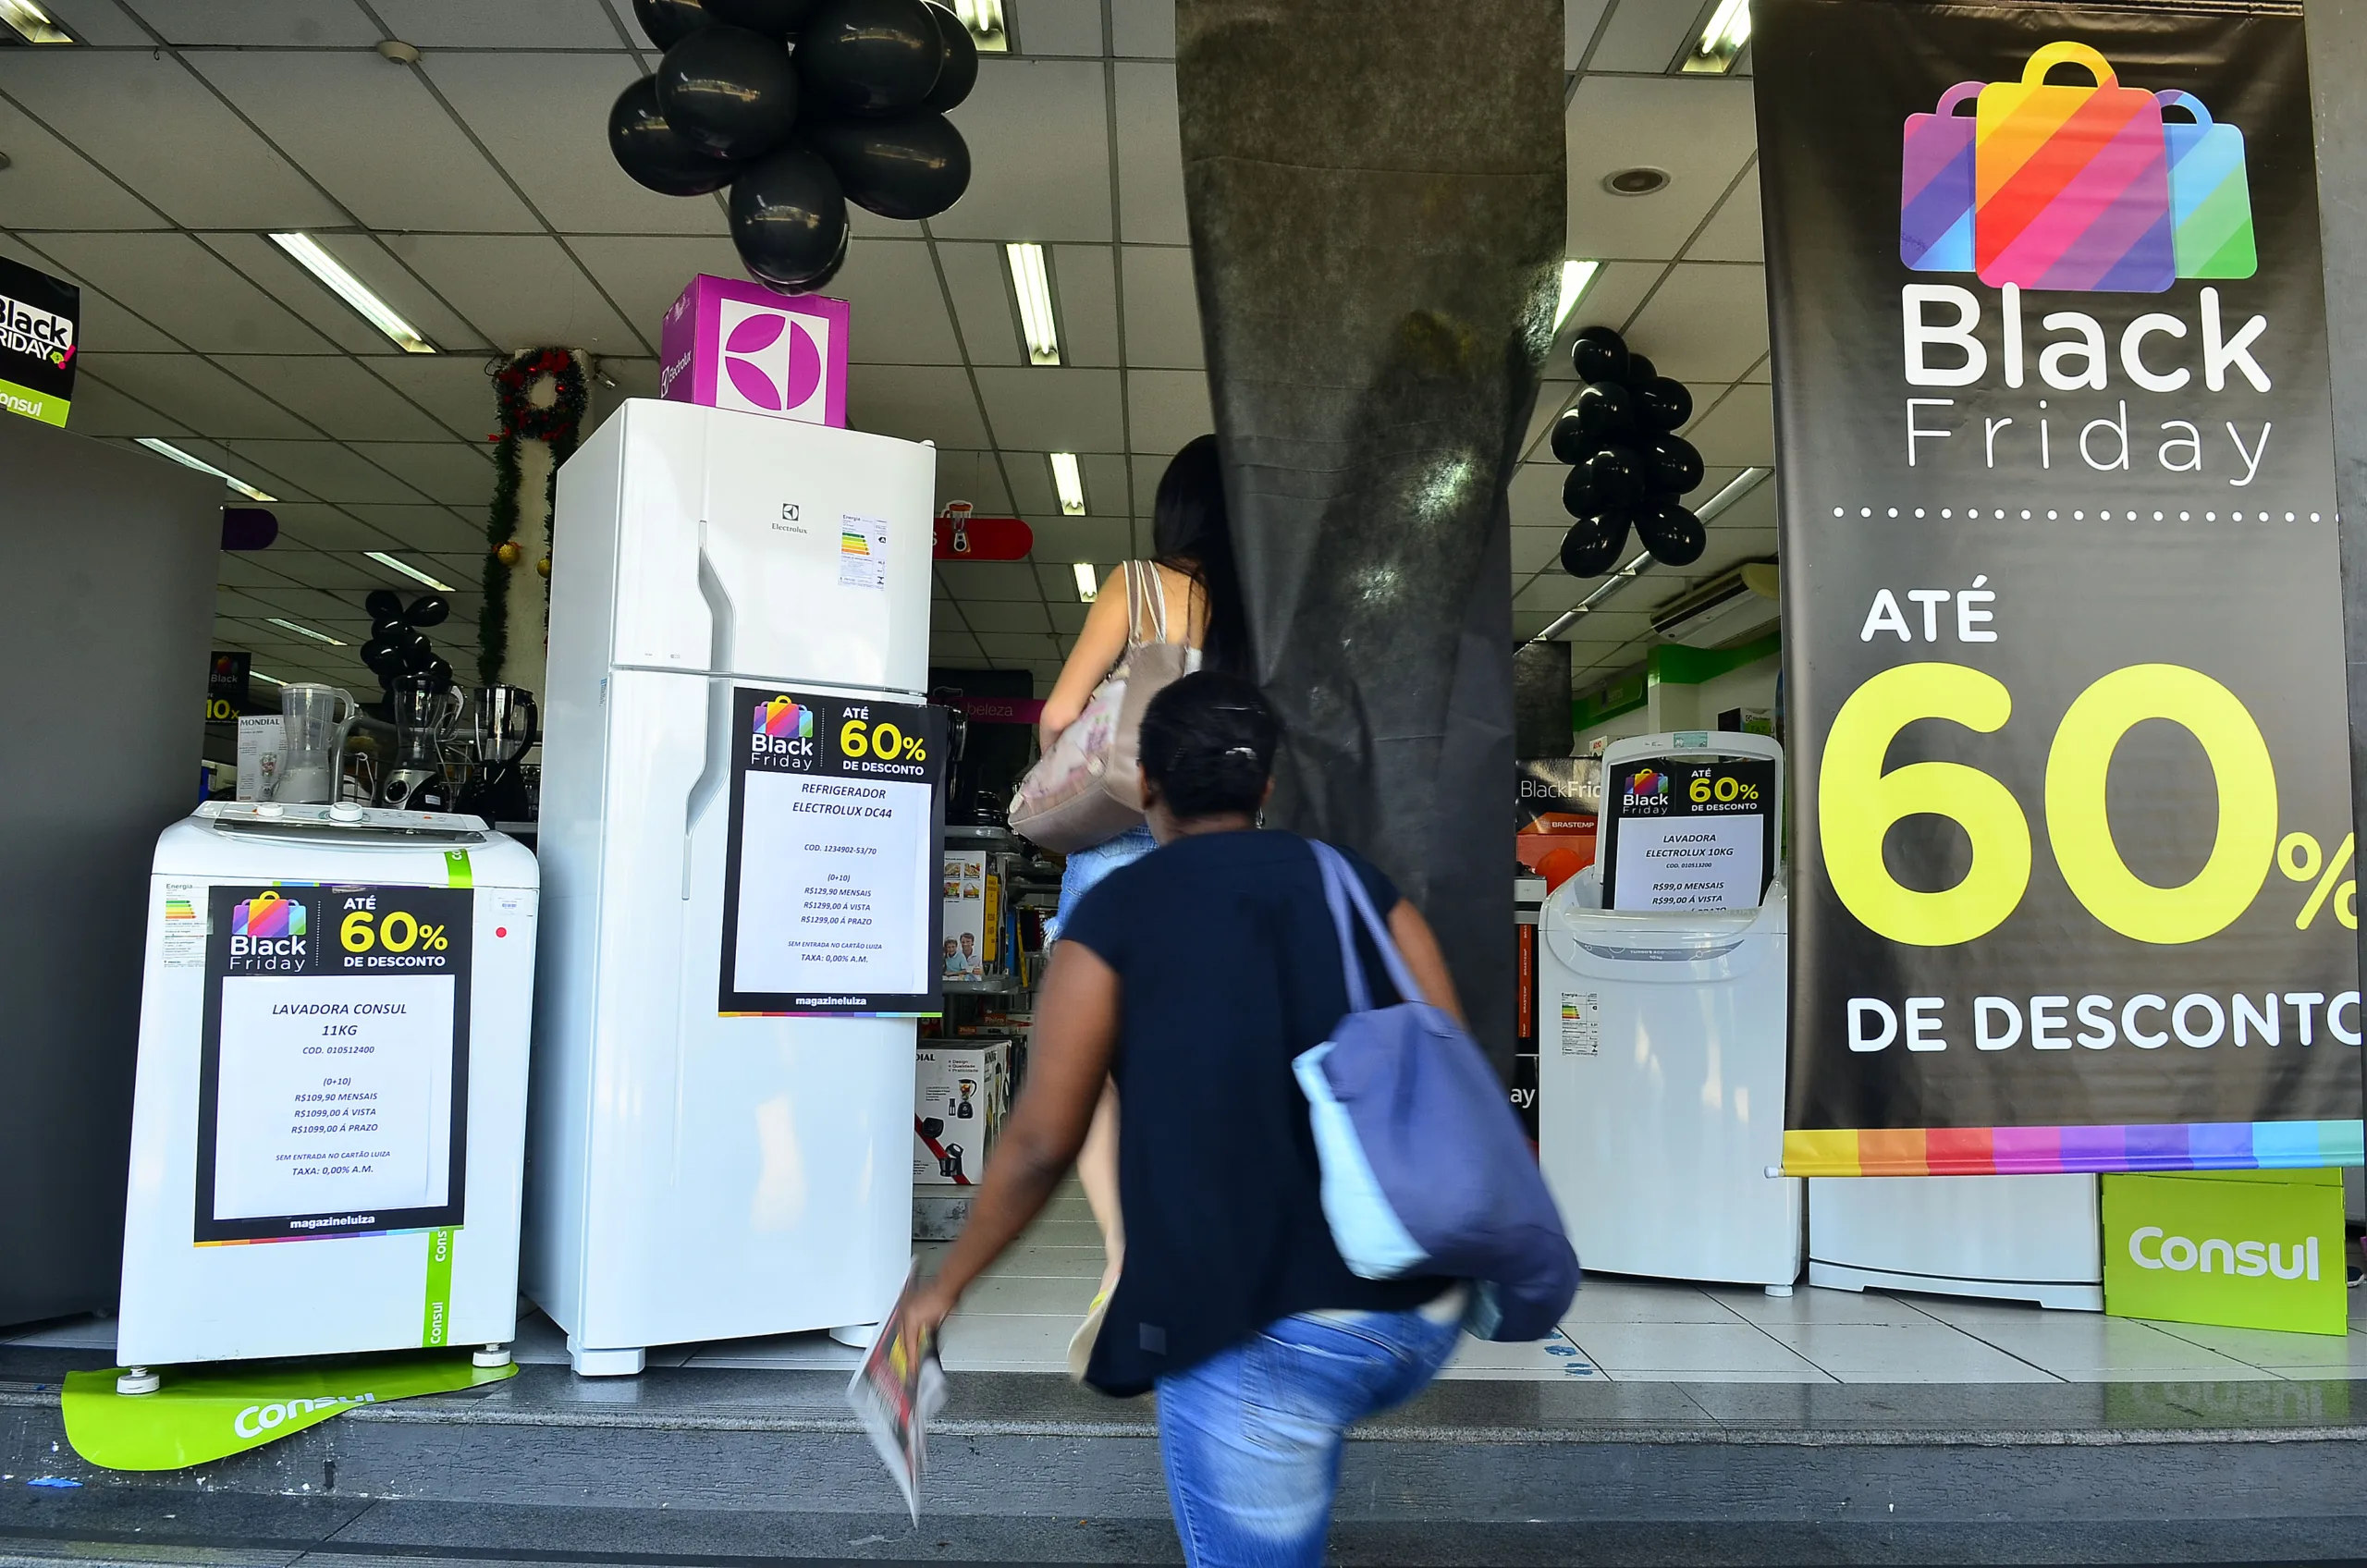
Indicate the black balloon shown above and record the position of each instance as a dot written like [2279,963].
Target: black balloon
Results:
[821,279]
[1594,544]
[1598,353]
[383,653]
[383,604]
[1571,443]
[959,73]
[789,217]
[1662,404]
[1675,536]
[1639,371]
[668,22]
[1608,479]
[428,609]
[729,91]
[911,166]
[774,19]
[870,56]
[418,653]
[654,153]
[1670,464]
[1606,412]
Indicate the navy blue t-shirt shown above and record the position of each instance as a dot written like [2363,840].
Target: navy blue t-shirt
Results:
[1229,967]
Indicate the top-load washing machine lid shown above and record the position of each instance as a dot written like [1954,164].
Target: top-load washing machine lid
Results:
[1675,948]
[269,841]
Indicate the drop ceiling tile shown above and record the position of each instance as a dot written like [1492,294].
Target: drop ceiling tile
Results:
[1534,549]
[974,477]
[1553,592]
[1039,139]
[1063,540]
[444,471]
[975,581]
[1020,648]
[1056,27]
[542,117]
[1740,430]
[1085,287]
[1166,408]
[327,471]
[148,121]
[1552,396]
[1706,323]
[373,134]
[254,569]
[1143,27]
[105,325]
[346,571]
[520,291]
[1536,495]
[185,289]
[453,388]
[1735,234]
[977,279]
[100,22]
[367,258]
[645,274]
[1610,301]
[1057,579]
[1150,157]
[315,607]
[1032,491]
[466,571]
[232,23]
[1068,619]
[52,185]
[1580,19]
[945,616]
[325,527]
[1048,409]
[916,402]
[204,398]
[952,650]
[1104,474]
[1700,129]
[99,410]
[1006,615]
[438,531]
[268,267]
[512,24]
[1645,35]
[1162,311]
[335,393]
[633,378]
[896,309]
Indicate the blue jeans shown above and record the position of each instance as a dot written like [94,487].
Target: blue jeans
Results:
[1251,1439]
[1087,868]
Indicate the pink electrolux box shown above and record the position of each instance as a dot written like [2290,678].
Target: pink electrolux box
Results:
[730,344]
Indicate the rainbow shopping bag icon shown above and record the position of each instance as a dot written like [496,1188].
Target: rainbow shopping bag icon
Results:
[2211,203]
[2074,186]
[1935,185]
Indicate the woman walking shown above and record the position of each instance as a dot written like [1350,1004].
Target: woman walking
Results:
[1193,977]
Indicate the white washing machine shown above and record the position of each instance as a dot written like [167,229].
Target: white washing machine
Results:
[329,1126]
[1660,1031]
[2018,1238]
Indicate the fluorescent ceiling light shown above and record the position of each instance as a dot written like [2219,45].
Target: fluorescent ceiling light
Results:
[305,632]
[309,255]
[1575,275]
[1069,482]
[1033,287]
[168,449]
[1723,37]
[407,570]
[259,675]
[31,23]
[983,19]
[1087,584]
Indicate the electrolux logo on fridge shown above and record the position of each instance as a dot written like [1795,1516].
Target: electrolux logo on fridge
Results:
[2181,1253]
[772,360]
[267,926]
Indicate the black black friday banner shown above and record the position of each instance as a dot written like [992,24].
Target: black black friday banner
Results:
[2073,885]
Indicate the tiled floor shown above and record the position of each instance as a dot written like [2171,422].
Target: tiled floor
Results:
[1019,1318]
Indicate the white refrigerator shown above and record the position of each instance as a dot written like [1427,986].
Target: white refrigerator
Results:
[696,1170]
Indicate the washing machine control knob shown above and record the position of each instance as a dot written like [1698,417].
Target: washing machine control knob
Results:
[270,809]
[345,811]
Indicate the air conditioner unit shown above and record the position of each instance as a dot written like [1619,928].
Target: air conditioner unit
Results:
[1726,609]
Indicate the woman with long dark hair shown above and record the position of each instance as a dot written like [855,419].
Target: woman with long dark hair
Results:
[1196,595]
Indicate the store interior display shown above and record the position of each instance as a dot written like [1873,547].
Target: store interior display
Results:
[800,109]
[1627,464]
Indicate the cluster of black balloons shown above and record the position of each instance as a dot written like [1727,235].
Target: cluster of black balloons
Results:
[399,646]
[800,106]
[1627,464]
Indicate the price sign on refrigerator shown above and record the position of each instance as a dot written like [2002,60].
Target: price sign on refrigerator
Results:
[831,894]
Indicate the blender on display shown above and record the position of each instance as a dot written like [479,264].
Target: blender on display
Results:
[426,710]
[504,725]
[313,721]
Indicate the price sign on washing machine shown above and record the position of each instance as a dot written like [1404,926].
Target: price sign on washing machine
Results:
[831,897]
[333,1088]
[1689,835]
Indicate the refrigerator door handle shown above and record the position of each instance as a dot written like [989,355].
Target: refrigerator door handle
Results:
[718,609]
[711,776]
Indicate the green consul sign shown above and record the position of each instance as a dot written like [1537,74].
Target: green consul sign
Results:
[2249,1249]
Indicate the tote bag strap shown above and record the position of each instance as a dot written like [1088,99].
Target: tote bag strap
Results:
[1342,889]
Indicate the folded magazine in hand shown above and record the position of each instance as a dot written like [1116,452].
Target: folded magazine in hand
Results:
[897,1389]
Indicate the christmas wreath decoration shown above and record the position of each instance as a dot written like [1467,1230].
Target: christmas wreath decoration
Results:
[560,424]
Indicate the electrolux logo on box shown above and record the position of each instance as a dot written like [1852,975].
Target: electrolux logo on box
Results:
[772,360]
